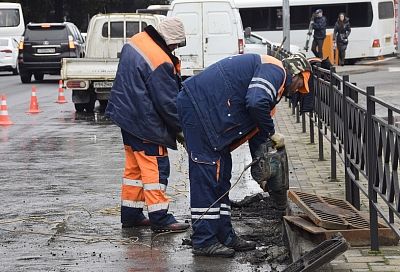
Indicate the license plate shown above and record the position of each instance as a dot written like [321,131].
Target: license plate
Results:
[46,50]
[103,84]
[189,58]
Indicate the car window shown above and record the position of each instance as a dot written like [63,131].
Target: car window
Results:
[117,29]
[45,34]
[9,17]
[3,42]
[385,10]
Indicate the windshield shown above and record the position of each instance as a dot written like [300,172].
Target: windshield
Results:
[9,17]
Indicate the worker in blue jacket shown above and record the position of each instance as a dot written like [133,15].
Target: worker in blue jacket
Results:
[227,104]
[143,105]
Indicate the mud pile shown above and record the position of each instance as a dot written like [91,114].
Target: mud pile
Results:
[256,213]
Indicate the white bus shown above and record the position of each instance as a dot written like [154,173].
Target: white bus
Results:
[372,22]
[11,20]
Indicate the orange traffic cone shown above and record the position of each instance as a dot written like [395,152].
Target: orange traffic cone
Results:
[61,97]
[4,119]
[34,106]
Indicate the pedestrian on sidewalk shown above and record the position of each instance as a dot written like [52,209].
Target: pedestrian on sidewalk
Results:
[227,104]
[143,105]
[341,34]
[319,26]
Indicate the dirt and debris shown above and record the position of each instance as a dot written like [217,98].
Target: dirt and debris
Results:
[256,212]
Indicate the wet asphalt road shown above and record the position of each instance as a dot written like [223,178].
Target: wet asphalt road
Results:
[60,177]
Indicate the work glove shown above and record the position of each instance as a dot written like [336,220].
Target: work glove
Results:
[278,140]
[181,139]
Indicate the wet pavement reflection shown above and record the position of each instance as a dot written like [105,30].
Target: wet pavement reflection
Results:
[60,179]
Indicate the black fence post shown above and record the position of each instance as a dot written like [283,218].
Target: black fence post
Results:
[347,180]
[371,155]
[298,113]
[311,119]
[332,120]
[319,113]
[303,121]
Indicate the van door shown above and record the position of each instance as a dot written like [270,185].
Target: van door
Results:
[191,55]
[220,30]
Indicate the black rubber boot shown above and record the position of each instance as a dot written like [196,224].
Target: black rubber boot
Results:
[215,250]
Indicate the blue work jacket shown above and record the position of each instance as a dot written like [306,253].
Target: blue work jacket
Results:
[236,95]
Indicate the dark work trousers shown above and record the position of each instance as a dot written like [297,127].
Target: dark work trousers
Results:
[316,47]
[209,174]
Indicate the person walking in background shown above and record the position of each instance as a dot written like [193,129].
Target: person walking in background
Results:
[142,104]
[319,26]
[341,34]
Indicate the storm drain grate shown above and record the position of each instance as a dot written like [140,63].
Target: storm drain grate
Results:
[329,213]
[320,255]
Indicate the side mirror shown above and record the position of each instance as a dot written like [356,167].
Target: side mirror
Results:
[264,42]
[247,32]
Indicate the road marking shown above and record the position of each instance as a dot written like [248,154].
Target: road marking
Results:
[394,69]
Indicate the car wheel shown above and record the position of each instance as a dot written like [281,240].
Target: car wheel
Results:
[89,107]
[80,107]
[103,105]
[15,71]
[38,76]
[26,77]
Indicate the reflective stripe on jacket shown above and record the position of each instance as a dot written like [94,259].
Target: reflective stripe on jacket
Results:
[143,96]
[236,95]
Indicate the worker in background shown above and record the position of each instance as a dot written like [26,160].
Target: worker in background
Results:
[341,33]
[143,105]
[228,103]
[319,26]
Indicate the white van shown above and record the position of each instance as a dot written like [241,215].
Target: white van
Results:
[213,31]
[12,23]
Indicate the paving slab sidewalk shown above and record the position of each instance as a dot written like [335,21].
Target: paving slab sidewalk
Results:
[310,175]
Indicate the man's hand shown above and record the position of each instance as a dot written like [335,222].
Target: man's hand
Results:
[278,140]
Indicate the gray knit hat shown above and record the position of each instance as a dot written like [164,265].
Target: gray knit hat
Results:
[172,31]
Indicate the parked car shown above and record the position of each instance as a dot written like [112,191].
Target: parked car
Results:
[43,46]
[9,55]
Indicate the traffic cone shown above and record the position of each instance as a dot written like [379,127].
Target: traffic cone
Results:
[61,97]
[4,119]
[34,106]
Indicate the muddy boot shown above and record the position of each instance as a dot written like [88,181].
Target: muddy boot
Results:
[239,244]
[215,250]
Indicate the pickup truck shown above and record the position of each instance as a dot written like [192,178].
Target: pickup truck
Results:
[91,78]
